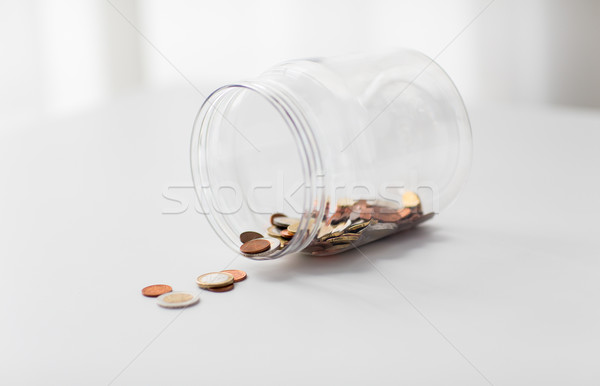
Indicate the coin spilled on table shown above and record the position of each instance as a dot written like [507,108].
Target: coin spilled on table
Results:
[155,290]
[179,299]
[222,281]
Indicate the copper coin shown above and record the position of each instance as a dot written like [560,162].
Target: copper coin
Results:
[387,217]
[286,234]
[275,215]
[366,215]
[404,213]
[249,235]
[237,274]
[220,289]
[155,290]
[255,246]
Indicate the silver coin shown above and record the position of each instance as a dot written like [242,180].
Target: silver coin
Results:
[177,299]
[274,231]
[284,222]
[383,226]
[214,280]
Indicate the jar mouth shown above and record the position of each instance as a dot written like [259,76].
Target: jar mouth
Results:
[247,133]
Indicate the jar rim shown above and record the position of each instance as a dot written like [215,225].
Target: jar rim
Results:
[301,129]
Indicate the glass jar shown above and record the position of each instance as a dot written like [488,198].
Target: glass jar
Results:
[322,155]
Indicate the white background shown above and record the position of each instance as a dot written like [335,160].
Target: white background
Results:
[501,289]
[64,56]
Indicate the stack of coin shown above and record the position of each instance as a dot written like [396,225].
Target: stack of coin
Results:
[354,223]
[220,281]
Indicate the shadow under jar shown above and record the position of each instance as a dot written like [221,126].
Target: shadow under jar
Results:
[321,155]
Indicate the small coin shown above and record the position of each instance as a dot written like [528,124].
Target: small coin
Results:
[249,235]
[177,299]
[284,222]
[255,246]
[155,290]
[275,215]
[410,200]
[237,274]
[214,280]
[274,245]
[274,231]
[344,239]
[343,202]
[325,230]
[358,226]
[286,234]
[294,227]
[367,214]
[404,213]
[221,289]
[387,217]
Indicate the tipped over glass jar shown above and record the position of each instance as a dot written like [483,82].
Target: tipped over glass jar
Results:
[323,155]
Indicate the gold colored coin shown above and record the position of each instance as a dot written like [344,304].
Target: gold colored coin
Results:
[358,227]
[325,230]
[410,200]
[294,227]
[343,202]
[344,239]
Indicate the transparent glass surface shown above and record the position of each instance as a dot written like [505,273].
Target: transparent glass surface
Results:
[320,139]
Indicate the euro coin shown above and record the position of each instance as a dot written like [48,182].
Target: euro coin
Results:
[284,222]
[274,216]
[237,274]
[286,234]
[410,200]
[274,231]
[177,299]
[255,246]
[214,280]
[294,227]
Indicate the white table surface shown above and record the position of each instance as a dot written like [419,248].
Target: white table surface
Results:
[503,288]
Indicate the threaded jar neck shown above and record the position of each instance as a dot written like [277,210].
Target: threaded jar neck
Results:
[217,129]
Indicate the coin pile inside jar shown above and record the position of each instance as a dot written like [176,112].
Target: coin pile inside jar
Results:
[354,223]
